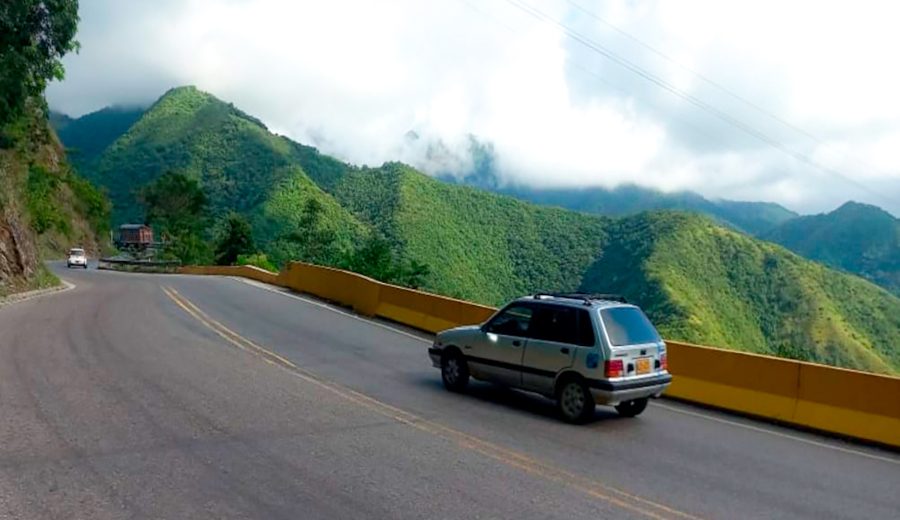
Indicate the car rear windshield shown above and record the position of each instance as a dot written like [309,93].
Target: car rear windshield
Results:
[76,252]
[628,326]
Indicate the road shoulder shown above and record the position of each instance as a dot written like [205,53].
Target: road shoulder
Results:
[37,293]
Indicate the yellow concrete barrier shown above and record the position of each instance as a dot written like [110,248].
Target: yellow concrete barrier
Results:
[246,271]
[342,287]
[747,383]
[846,402]
[426,311]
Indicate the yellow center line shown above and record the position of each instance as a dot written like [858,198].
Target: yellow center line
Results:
[521,461]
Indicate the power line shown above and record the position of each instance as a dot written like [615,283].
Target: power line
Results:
[809,135]
[693,72]
[592,73]
[691,99]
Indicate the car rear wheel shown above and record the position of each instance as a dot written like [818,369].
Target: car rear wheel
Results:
[574,401]
[631,408]
[454,372]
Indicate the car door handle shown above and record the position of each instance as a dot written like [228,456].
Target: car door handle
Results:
[517,343]
[564,350]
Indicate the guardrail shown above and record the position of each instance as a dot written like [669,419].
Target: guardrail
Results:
[145,266]
[845,402]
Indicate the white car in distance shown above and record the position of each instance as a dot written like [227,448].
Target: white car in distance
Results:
[76,258]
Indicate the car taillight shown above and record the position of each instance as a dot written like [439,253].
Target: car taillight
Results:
[614,368]
[663,362]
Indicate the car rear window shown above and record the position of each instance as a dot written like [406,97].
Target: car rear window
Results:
[628,326]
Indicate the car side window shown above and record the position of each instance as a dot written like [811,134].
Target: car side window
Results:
[554,323]
[585,329]
[512,321]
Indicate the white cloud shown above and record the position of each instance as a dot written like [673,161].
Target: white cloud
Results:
[353,77]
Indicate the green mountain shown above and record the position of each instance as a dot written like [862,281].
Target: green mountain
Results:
[88,136]
[479,246]
[857,238]
[710,285]
[700,281]
[752,217]
[241,166]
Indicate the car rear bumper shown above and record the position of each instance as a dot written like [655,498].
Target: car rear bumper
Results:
[615,392]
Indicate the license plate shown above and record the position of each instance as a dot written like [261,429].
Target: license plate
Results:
[643,365]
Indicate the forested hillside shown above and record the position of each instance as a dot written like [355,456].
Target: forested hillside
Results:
[88,136]
[858,238]
[752,217]
[700,280]
[478,245]
[45,207]
[241,166]
[706,284]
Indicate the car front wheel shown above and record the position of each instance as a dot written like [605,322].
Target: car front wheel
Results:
[631,408]
[454,372]
[574,401]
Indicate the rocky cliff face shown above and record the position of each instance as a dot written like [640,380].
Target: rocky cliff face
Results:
[45,208]
[18,256]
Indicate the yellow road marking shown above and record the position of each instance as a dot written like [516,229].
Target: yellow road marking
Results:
[586,485]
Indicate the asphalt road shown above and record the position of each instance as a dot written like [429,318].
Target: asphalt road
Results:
[156,396]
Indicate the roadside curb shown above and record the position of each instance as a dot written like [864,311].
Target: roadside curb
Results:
[30,295]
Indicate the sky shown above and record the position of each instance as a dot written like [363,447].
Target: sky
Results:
[791,102]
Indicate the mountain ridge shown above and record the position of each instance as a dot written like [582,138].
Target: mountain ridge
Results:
[699,280]
[858,238]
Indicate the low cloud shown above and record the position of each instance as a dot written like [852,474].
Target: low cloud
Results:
[358,79]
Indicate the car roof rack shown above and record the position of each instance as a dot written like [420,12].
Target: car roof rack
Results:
[587,298]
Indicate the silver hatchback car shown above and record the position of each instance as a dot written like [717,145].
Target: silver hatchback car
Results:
[579,349]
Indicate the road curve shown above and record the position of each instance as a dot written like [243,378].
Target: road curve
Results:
[141,396]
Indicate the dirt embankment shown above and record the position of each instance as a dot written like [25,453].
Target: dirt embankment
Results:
[41,216]
[18,255]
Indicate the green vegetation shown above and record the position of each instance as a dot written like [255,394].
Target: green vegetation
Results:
[239,164]
[42,279]
[751,217]
[45,208]
[257,260]
[235,238]
[176,208]
[699,280]
[709,285]
[301,222]
[41,192]
[88,136]
[51,197]
[479,246]
[857,238]
[376,259]
[34,36]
